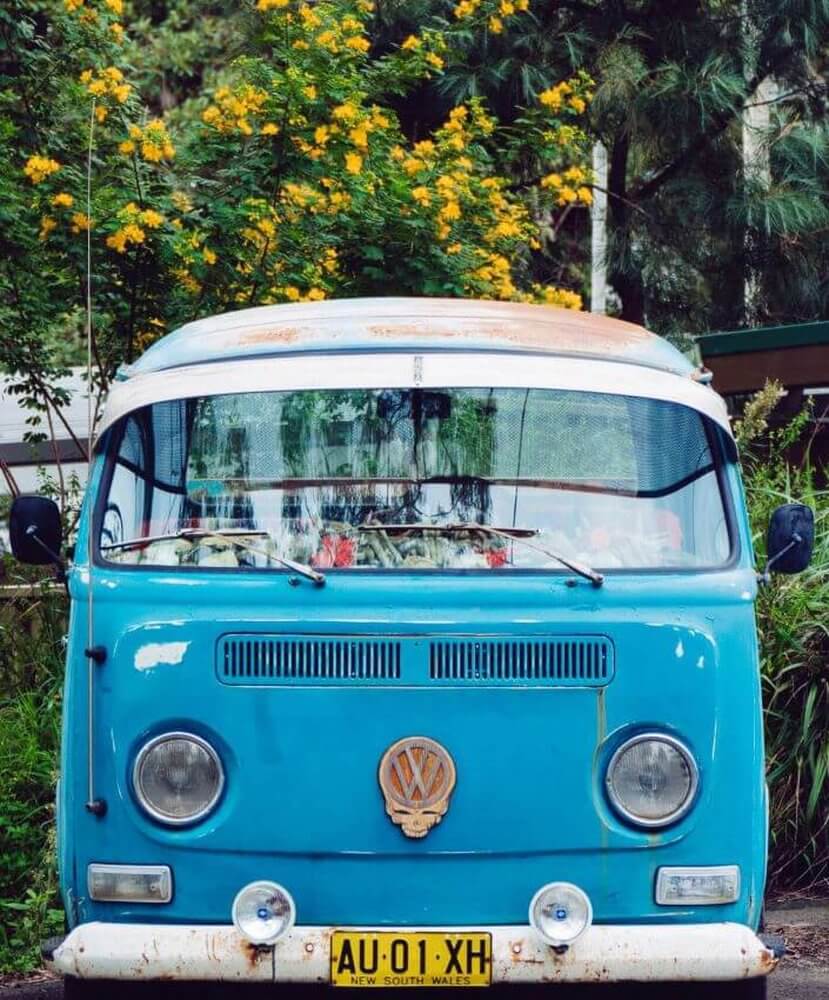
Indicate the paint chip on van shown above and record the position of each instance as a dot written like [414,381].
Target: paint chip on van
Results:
[154,654]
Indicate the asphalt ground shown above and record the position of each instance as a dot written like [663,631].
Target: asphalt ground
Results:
[803,974]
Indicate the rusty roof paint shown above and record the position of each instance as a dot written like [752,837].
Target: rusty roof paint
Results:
[408,324]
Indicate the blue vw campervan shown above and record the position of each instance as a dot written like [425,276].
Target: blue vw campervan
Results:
[412,643]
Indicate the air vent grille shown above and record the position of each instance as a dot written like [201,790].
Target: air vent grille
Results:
[533,661]
[250,659]
[577,661]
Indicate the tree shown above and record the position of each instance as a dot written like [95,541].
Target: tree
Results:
[283,175]
[688,225]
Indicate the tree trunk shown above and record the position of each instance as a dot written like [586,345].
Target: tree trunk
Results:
[625,276]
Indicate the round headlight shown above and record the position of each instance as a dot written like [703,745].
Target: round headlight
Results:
[178,778]
[263,912]
[652,780]
[560,912]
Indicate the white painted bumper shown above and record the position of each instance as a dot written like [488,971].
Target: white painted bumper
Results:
[723,951]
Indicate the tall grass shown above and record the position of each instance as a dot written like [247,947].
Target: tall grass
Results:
[793,619]
[31,668]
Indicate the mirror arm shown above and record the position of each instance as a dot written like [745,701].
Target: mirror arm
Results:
[60,566]
[765,576]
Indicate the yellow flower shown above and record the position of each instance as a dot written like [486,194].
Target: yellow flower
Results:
[209,256]
[151,218]
[358,43]
[454,248]
[353,163]
[86,76]
[291,293]
[551,181]
[80,222]
[434,60]
[398,153]
[328,39]
[47,224]
[585,195]
[496,25]
[266,5]
[121,92]
[152,152]
[269,128]
[101,113]
[315,295]
[135,132]
[118,31]
[507,8]
[413,166]
[412,42]
[321,135]
[359,136]
[577,104]
[38,168]
[63,199]
[421,195]
[345,112]
[121,239]
[551,98]
[310,92]
[97,88]
[116,6]
[450,212]
[558,297]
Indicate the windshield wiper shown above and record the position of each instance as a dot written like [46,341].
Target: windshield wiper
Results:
[235,534]
[510,534]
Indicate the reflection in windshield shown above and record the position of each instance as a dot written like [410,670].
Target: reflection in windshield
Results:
[341,479]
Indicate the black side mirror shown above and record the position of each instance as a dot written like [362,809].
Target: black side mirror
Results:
[791,539]
[35,531]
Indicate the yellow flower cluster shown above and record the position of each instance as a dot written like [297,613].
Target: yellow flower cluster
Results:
[495,13]
[47,224]
[266,5]
[565,95]
[551,296]
[63,200]
[233,110]
[153,142]
[103,84]
[80,222]
[131,233]
[496,272]
[38,168]
[569,188]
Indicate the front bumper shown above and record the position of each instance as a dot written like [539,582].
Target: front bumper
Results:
[604,953]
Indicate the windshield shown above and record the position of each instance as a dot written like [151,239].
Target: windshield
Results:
[398,478]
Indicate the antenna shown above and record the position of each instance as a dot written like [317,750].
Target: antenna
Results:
[95,654]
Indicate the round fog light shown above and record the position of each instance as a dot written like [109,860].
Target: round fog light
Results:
[263,912]
[560,912]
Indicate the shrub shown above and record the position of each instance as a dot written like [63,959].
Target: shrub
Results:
[31,668]
[794,640]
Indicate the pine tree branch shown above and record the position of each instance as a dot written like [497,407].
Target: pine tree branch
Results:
[705,138]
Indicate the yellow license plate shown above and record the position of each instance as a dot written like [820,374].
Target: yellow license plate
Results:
[410,958]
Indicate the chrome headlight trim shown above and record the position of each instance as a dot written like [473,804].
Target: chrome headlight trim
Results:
[148,808]
[690,798]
